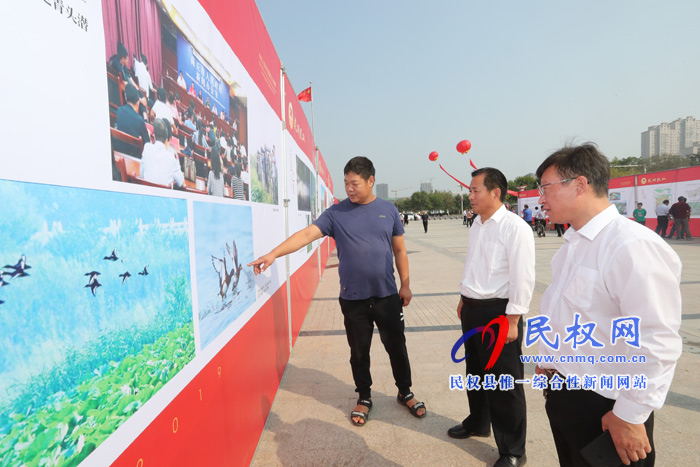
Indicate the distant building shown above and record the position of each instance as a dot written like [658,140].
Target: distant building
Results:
[680,137]
[427,187]
[383,190]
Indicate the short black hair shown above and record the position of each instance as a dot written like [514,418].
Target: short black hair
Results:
[361,166]
[121,51]
[132,94]
[493,178]
[144,60]
[576,161]
[162,94]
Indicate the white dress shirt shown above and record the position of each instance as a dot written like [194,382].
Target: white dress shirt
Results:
[143,75]
[662,210]
[162,110]
[611,268]
[158,165]
[500,261]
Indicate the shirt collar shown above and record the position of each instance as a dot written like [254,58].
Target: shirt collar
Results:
[497,216]
[595,225]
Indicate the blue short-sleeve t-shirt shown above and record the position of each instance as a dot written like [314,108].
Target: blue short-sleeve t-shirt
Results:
[363,234]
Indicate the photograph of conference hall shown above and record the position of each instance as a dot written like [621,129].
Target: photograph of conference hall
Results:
[157,68]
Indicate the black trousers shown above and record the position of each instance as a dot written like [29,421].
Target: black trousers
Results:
[575,419]
[560,229]
[505,411]
[425,226]
[661,226]
[359,319]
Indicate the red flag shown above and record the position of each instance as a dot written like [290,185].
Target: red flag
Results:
[305,95]
[472,163]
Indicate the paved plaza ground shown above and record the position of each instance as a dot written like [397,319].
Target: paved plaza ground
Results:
[309,422]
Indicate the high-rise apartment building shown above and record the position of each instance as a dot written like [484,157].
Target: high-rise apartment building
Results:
[383,190]
[427,187]
[680,137]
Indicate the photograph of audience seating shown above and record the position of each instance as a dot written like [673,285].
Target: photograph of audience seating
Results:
[155,72]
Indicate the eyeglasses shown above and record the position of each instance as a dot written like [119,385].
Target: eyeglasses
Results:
[540,188]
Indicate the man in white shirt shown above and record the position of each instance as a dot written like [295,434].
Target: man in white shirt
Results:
[662,218]
[158,165]
[615,292]
[142,73]
[160,108]
[497,283]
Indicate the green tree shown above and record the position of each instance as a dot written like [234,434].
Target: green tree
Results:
[420,201]
[618,169]
[639,165]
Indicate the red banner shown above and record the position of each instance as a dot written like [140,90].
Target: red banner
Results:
[242,26]
[297,124]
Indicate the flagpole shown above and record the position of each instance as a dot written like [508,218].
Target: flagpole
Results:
[313,136]
[287,266]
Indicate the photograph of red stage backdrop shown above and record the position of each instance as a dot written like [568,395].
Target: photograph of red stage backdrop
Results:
[131,331]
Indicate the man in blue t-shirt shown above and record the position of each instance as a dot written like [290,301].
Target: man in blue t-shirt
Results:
[369,234]
[527,214]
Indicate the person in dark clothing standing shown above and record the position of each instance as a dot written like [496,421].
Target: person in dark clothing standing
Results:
[369,237]
[425,218]
[681,217]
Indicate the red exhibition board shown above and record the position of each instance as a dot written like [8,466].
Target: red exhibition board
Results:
[158,346]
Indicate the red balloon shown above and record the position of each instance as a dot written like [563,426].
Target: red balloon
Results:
[433,156]
[464,146]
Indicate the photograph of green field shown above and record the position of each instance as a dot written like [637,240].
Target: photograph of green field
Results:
[95,315]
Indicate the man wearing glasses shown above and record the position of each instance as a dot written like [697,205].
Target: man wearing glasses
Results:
[498,280]
[609,271]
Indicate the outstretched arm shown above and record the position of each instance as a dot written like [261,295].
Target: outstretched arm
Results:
[292,244]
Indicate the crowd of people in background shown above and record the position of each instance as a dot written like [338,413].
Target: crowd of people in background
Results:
[188,133]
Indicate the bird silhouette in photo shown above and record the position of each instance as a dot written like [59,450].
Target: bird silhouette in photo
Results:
[18,270]
[93,275]
[112,257]
[144,272]
[125,276]
[226,276]
[93,284]
[236,266]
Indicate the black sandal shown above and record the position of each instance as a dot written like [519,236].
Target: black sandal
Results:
[403,400]
[363,415]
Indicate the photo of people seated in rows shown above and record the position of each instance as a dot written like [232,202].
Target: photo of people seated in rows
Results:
[169,136]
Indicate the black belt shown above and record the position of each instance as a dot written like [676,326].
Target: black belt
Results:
[484,301]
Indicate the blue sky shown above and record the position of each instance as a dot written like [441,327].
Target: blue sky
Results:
[396,80]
